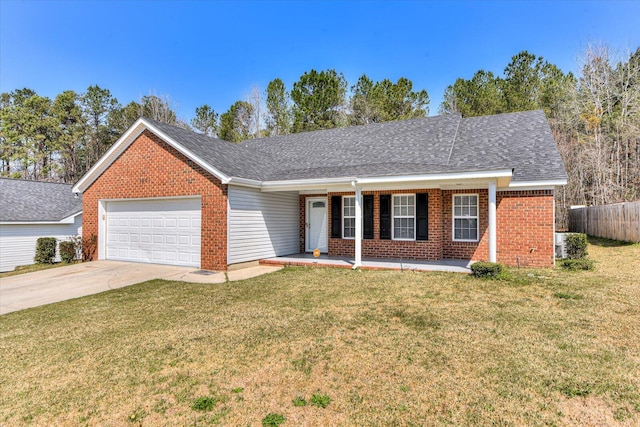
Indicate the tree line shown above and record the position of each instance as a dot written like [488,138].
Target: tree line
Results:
[60,139]
[594,115]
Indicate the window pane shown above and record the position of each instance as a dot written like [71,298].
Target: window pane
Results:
[473,200]
[473,211]
[349,227]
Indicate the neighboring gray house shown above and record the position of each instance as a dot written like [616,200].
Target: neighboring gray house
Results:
[30,210]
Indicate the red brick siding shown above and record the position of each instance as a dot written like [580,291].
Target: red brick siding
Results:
[149,167]
[524,221]
[476,251]
[375,248]
[525,224]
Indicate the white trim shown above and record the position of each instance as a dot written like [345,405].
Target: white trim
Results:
[66,220]
[307,222]
[320,183]
[542,183]
[358,247]
[132,133]
[245,182]
[126,140]
[453,217]
[342,217]
[492,222]
[499,173]
[393,217]
[532,188]
[102,229]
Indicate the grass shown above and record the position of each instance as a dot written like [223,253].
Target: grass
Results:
[536,347]
[33,267]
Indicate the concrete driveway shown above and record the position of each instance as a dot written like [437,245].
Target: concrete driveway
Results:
[77,280]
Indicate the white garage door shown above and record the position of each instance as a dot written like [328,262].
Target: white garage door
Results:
[158,231]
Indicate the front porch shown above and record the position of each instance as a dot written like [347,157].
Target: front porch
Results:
[308,260]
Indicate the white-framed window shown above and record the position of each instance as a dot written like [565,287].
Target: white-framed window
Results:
[465,217]
[404,216]
[349,217]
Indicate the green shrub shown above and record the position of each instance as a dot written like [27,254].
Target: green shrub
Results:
[45,250]
[576,245]
[575,264]
[486,269]
[273,420]
[67,251]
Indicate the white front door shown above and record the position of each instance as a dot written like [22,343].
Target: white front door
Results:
[317,224]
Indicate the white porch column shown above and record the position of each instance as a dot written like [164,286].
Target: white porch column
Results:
[358,254]
[492,222]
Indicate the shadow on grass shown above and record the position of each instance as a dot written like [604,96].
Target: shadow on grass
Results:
[608,243]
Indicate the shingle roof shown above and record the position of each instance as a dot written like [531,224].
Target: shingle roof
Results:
[34,201]
[520,141]
[441,144]
[230,158]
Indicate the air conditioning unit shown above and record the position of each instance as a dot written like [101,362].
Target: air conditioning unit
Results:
[560,243]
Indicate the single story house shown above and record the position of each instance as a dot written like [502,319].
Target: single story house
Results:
[30,210]
[431,188]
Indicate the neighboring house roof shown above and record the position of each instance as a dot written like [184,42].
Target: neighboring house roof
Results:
[35,201]
[449,144]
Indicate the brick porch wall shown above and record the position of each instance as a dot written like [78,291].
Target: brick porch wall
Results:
[375,248]
[149,167]
[477,251]
[524,221]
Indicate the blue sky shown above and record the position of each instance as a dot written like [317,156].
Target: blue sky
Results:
[213,52]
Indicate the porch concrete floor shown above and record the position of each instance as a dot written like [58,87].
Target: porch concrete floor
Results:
[450,265]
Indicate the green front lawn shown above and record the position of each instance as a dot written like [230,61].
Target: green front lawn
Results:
[336,347]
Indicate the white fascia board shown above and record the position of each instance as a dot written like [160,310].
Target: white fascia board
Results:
[107,158]
[204,165]
[538,184]
[500,173]
[125,140]
[245,182]
[68,220]
[306,184]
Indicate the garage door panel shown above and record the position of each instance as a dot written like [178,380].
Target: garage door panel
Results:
[165,231]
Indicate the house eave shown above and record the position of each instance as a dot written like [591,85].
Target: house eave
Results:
[538,184]
[440,180]
[67,220]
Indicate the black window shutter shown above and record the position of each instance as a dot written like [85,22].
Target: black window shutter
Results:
[385,216]
[336,216]
[422,216]
[367,208]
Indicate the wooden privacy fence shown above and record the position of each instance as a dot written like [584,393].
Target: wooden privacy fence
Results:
[620,221]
